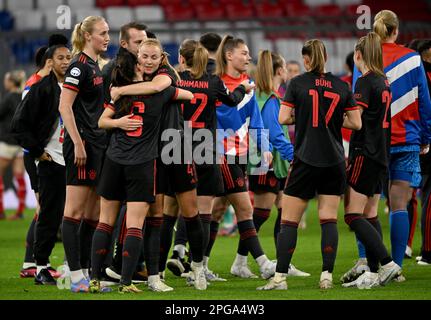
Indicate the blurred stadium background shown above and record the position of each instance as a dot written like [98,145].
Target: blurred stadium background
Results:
[265,24]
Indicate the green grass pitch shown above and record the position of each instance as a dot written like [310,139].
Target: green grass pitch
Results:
[307,257]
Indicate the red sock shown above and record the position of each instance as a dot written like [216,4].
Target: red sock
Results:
[21,193]
[1,195]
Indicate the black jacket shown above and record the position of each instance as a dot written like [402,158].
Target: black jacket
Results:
[37,115]
[8,106]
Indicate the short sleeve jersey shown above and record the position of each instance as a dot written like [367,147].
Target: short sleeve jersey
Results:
[172,117]
[372,92]
[209,91]
[141,145]
[84,77]
[320,101]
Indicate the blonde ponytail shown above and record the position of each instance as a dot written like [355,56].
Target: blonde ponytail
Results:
[315,49]
[385,23]
[196,57]
[78,39]
[371,50]
[228,43]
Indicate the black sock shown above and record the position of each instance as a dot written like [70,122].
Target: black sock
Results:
[206,228]
[372,261]
[329,243]
[71,242]
[259,218]
[369,236]
[100,248]
[152,244]
[181,233]
[277,226]
[118,254]
[131,250]
[213,236]
[286,244]
[29,241]
[166,233]
[195,236]
[249,239]
[86,232]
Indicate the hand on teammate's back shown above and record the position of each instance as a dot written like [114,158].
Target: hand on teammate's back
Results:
[128,123]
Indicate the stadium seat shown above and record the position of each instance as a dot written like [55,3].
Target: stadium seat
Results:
[48,4]
[109,3]
[182,12]
[312,3]
[268,10]
[117,16]
[135,3]
[189,30]
[297,10]
[28,20]
[327,11]
[6,21]
[81,4]
[149,13]
[170,2]
[239,11]
[344,3]
[51,17]
[13,5]
[209,11]
[81,14]
[218,25]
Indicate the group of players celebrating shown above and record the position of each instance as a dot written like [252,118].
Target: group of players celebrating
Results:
[99,144]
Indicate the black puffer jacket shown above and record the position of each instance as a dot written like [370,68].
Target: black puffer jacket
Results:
[36,117]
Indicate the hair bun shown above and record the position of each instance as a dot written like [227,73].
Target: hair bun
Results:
[57,39]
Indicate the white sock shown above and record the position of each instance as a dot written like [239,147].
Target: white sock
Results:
[205,261]
[26,265]
[181,250]
[239,259]
[76,276]
[153,279]
[86,273]
[262,260]
[39,268]
[197,264]
[279,276]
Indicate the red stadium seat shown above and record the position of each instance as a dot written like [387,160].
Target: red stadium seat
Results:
[297,10]
[210,11]
[267,10]
[327,11]
[177,12]
[109,3]
[239,11]
[135,3]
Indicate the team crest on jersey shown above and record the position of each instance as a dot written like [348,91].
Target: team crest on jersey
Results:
[75,72]
[240,182]
[272,182]
[92,174]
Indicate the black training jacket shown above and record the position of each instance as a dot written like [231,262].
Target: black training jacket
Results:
[36,116]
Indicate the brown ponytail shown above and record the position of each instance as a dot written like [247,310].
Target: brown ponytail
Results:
[267,65]
[227,44]
[371,49]
[78,39]
[385,23]
[315,49]
[196,57]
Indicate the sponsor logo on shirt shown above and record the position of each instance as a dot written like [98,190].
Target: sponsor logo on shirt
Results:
[97,81]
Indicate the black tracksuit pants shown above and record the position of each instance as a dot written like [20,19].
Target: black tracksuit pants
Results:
[52,196]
